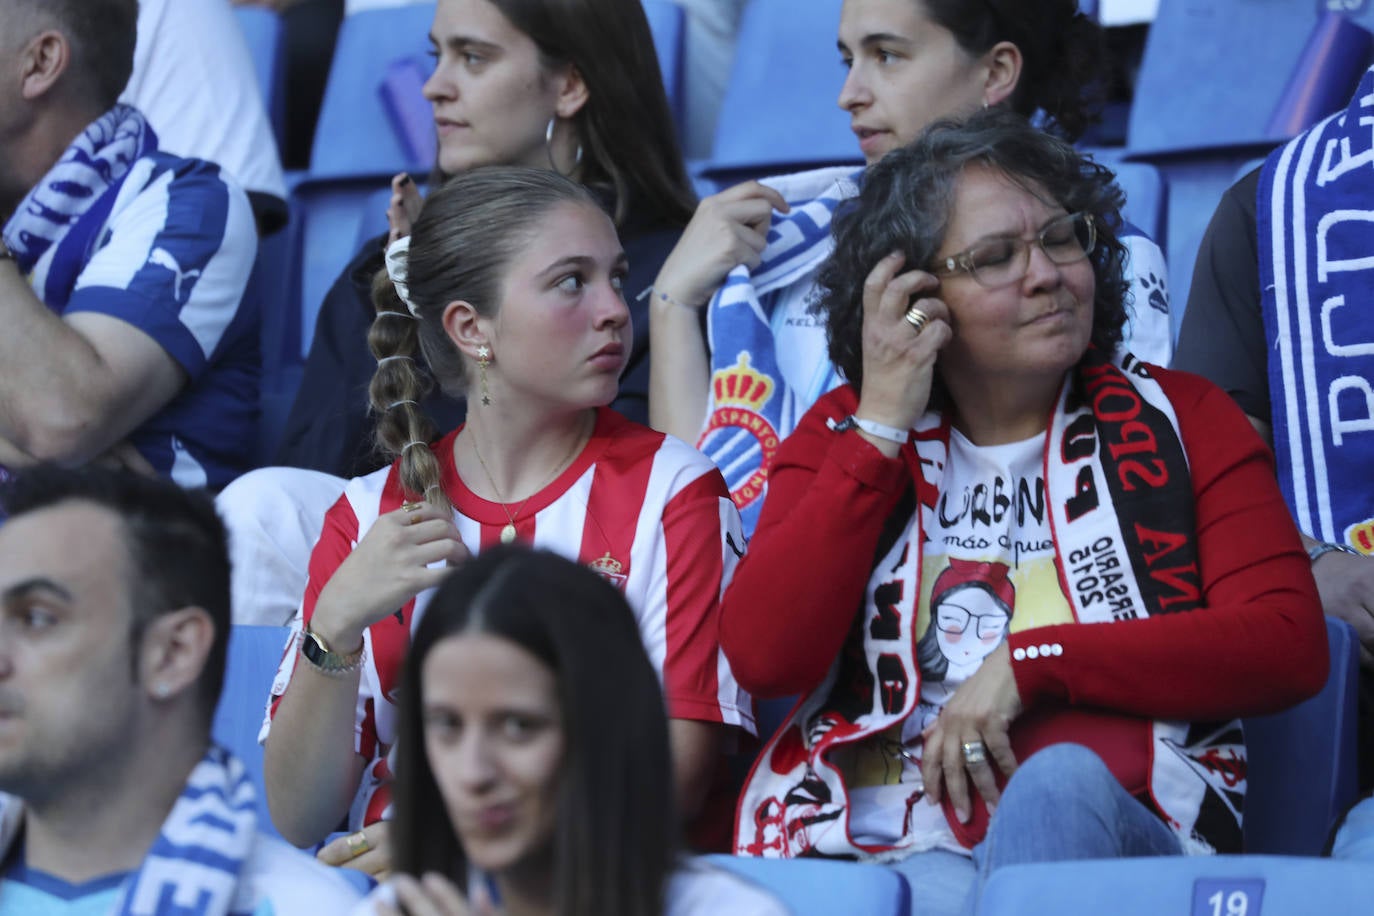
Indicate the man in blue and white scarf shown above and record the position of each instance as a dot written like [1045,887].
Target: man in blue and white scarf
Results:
[122,268]
[113,636]
[1279,316]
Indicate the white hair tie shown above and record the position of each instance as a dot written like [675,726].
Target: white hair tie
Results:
[397,258]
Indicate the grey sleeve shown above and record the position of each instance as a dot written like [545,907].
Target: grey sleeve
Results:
[1222,336]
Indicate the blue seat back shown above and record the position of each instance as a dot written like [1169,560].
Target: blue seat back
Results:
[823,887]
[667,22]
[1203,106]
[333,215]
[254,655]
[779,113]
[356,134]
[266,37]
[1182,885]
[1329,66]
[1302,762]
[1199,84]
[275,286]
[1147,199]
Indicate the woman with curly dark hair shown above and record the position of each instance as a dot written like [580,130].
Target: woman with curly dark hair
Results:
[997,472]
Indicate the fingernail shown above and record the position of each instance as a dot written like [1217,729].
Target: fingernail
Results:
[990,806]
[405,179]
[964,814]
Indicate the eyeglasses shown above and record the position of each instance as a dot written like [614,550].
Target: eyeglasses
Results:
[1000,261]
[954,620]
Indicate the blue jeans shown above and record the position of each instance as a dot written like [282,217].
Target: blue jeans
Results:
[1061,804]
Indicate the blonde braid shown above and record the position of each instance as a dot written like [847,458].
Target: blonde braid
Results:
[395,391]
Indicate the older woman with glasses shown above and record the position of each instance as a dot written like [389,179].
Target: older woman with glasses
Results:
[994,475]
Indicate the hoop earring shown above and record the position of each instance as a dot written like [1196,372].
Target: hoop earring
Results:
[483,361]
[548,146]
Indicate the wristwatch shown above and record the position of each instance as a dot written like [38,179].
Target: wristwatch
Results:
[1317,551]
[318,653]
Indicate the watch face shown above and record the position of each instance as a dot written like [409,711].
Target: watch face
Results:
[311,648]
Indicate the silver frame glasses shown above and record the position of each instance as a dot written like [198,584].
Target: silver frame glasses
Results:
[966,260]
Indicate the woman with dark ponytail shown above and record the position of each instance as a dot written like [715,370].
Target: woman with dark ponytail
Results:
[527,699]
[508,291]
[751,253]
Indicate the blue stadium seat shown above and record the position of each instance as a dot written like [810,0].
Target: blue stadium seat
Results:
[334,214]
[356,135]
[1202,106]
[1302,762]
[266,38]
[1147,200]
[668,24]
[254,654]
[1182,885]
[275,285]
[779,113]
[823,887]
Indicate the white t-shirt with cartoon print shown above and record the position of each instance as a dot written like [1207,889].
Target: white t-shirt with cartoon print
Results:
[988,568]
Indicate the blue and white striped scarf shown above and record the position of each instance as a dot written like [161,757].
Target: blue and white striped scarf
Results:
[752,406]
[70,204]
[194,866]
[1315,213]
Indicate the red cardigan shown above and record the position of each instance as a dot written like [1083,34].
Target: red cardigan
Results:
[1260,647]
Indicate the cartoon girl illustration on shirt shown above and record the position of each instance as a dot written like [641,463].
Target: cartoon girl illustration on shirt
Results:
[971,605]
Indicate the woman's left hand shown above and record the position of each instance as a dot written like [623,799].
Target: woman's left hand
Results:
[981,710]
[404,207]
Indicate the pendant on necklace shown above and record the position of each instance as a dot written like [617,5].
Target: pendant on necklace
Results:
[508,534]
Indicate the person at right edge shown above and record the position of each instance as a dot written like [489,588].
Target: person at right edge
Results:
[1278,317]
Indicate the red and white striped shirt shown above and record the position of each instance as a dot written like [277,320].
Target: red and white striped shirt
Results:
[645,510]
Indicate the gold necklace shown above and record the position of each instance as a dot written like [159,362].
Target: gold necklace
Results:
[508,532]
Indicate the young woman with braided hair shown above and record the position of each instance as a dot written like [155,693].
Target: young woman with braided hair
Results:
[509,292]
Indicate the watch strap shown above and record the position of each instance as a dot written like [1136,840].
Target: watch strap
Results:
[317,652]
[1317,551]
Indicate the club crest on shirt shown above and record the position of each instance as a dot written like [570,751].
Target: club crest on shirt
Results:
[610,569]
[737,429]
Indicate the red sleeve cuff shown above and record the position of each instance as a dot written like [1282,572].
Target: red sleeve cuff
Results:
[861,460]
[1037,659]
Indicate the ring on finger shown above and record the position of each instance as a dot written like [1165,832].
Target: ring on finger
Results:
[975,752]
[357,844]
[917,318]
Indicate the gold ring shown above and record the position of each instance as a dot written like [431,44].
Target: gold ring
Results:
[357,844]
[917,319]
[412,507]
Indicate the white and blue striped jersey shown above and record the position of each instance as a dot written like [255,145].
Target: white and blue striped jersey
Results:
[173,259]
